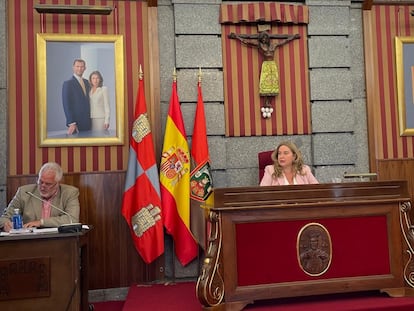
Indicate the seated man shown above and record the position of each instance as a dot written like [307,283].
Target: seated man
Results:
[41,204]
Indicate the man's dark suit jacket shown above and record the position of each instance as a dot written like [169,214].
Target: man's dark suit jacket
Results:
[76,104]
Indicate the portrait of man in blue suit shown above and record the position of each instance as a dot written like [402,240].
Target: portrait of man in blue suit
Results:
[75,98]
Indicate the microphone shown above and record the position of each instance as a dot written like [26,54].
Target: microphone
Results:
[66,228]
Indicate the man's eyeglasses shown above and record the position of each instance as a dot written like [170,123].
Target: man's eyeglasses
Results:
[46,184]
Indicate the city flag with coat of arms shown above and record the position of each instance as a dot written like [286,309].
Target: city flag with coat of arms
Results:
[141,204]
[201,183]
[175,182]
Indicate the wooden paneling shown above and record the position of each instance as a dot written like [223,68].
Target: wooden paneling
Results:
[113,260]
[52,267]
[397,169]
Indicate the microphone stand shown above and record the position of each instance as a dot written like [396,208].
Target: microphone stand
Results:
[65,228]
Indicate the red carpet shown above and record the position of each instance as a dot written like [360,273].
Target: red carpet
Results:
[181,296]
[108,306]
[172,297]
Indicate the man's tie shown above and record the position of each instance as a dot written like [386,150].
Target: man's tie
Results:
[82,85]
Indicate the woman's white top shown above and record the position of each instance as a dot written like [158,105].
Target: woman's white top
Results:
[99,101]
[287,182]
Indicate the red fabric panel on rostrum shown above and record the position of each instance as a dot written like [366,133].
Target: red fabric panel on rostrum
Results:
[266,251]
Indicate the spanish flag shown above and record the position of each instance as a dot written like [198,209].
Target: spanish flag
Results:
[201,182]
[175,183]
[141,204]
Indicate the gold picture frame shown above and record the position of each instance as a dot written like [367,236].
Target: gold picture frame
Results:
[55,58]
[404,58]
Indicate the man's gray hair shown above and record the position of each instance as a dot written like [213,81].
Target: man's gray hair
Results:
[52,166]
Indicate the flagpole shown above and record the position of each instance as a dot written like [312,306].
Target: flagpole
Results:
[199,75]
[173,243]
[174,256]
[141,73]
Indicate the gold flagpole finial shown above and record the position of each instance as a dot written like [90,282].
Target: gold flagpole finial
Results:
[141,74]
[199,74]
[175,75]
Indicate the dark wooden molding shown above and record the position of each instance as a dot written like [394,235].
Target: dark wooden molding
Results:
[152,3]
[73,9]
[367,4]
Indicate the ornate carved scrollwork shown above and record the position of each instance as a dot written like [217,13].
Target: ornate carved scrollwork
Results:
[408,233]
[210,284]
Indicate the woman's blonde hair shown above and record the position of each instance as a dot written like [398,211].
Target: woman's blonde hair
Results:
[297,163]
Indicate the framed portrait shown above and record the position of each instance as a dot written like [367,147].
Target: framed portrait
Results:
[97,106]
[404,56]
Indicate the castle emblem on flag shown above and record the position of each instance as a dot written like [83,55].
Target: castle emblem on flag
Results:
[200,183]
[173,164]
[141,128]
[145,218]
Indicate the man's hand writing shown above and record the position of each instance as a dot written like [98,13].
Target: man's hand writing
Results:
[32,224]
[8,226]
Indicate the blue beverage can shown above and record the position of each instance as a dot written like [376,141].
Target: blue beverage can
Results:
[17,219]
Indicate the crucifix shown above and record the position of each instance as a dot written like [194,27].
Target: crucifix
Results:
[269,75]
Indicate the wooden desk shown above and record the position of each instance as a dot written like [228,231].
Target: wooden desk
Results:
[260,244]
[45,271]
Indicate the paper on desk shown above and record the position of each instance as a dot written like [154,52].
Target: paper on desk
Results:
[29,231]
[34,230]
[17,232]
[21,231]
[45,230]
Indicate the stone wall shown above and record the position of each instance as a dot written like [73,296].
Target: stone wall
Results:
[189,38]
[189,35]
[338,99]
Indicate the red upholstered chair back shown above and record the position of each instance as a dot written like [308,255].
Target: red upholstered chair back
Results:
[265,158]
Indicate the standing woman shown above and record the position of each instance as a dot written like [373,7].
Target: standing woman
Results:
[288,167]
[99,101]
